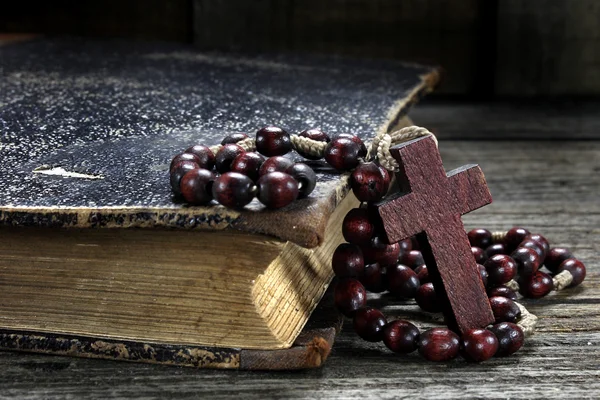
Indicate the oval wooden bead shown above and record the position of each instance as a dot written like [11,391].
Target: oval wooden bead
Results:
[226,155]
[479,255]
[514,237]
[233,189]
[510,338]
[357,227]
[177,172]
[478,345]
[494,249]
[374,278]
[196,186]
[402,281]
[504,309]
[483,274]
[184,157]
[234,138]
[401,336]
[348,261]
[527,259]
[361,145]
[306,177]
[367,182]
[275,164]
[273,141]
[248,163]
[349,296]
[576,268]
[502,291]
[439,344]
[427,299]
[532,244]
[542,241]
[377,251]
[342,154]
[480,238]
[536,285]
[277,190]
[314,134]
[405,246]
[501,269]
[369,323]
[411,259]
[422,274]
[205,156]
[555,257]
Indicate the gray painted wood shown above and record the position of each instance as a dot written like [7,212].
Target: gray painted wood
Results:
[550,187]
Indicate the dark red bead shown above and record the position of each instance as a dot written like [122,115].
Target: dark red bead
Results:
[357,227]
[306,177]
[374,278]
[576,268]
[514,237]
[349,296]
[555,257]
[422,274]
[184,157]
[369,323]
[478,345]
[362,148]
[510,338]
[536,285]
[532,244]
[405,246]
[196,186]
[377,251]
[480,238]
[479,255]
[387,178]
[494,249]
[206,157]
[411,259]
[248,164]
[277,189]
[427,299]
[178,171]
[348,261]
[501,269]
[401,336]
[226,155]
[402,281]
[234,138]
[314,134]
[439,344]
[528,260]
[275,164]
[503,291]
[367,183]
[233,189]
[273,141]
[504,309]
[542,241]
[483,274]
[342,154]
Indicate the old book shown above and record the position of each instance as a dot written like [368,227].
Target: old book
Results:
[97,258]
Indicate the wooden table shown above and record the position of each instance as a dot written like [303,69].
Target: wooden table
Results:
[552,187]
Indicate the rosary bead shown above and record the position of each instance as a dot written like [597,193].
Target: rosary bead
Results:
[401,336]
[226,155]
[277,189]
[439,344]
[479,254]
[503,291]
[480,238]
[196,186]
[494,249]
[427,299]
[402,281]
[206,157]
[527,259]
[542,241]
[357,227]
[412,259]
[501,269]
[510,338]
[369,323]
[178,171]
[514,237]
[314,134]
[348,261]
[233,189]
[342,154]
[479,345]
[532,244]
[423,274]
[374,278]
[349,296]
[387,178]
[555,257]
[367,182]
[576,268]
[483,274]
[275,164]
[377,251]
[536,285]
[184,157]
[234,138]
[405,246]
[248,164]
[273,141]
[504,309]
[362,148]
[306,177]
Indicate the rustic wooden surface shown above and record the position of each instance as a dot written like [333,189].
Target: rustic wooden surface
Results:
[548,186]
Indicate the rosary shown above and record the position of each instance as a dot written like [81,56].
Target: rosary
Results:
[410,243]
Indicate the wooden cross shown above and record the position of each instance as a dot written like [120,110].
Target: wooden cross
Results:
[430,206]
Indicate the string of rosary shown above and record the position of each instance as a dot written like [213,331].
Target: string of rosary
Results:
[507,262]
